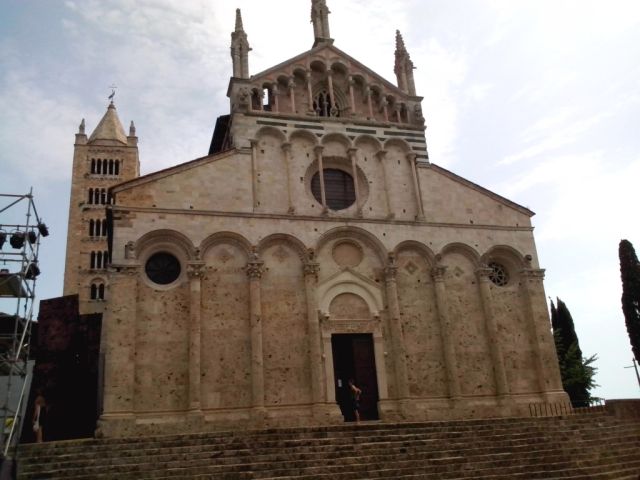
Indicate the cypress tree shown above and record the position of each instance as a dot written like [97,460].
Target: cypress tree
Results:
[578,373]
[630,273]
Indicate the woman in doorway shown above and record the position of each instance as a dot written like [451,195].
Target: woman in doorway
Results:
[39,415]
[355,399]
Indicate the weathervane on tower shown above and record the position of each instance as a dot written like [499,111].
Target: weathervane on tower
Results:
[113,93]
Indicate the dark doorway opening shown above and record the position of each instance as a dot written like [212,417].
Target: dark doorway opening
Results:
[353,357]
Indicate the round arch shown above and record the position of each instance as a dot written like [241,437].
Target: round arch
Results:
[358,233]
[151,240]
[225,237]
[297,246]
[428,254]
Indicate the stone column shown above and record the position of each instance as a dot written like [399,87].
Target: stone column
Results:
[399,352]
[254,269]
[195,272]
[411,157]
[354,171]
[385,109]
[292,95]
[544,353]
[367,92]
[352,99]
[491,327]
[286,148]
[319,149]
[254,172]
[451,363]
[331,94]
[276,103]
[310,109]
[382,154]
[315,348]
[118,342]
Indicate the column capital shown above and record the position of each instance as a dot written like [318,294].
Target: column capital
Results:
[255,266]
[437,273]
[411,156]
[195,270]
[533,273]
[125,270]
[318,149]
[391,268]
[352,151]
[483,272]
[291,84]
[381,154]
[311,269]
[286,147]
[253,142]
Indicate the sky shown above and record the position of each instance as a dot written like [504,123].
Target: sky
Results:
[536,100]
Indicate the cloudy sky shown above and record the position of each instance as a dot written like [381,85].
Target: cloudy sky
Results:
[537,100]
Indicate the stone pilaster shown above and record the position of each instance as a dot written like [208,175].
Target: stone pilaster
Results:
[354,172]
[448,346]
[119,342]
[491,327]
[311,270]
[382,156]
[195,272]
[411,157]
[397,341]
[286,148]
[535,307]
[254,172]
[255,269]
[318,150]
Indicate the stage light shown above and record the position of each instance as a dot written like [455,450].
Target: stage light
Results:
[32,271]
[32,237]
[17,239]
[3,237]
[42,228]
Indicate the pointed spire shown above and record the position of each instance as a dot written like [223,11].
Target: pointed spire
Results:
[404,66]
[320,19]
[110,127]
[239,27]
[81,127]
[240,49]
[132,129]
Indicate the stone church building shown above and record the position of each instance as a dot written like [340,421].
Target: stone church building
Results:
[314,244]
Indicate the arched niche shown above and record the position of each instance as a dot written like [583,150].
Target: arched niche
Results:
[348,281]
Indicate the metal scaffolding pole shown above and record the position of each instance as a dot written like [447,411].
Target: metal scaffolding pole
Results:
[19,250]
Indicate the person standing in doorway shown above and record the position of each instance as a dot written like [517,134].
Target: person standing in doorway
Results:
[39,416]
[355,399]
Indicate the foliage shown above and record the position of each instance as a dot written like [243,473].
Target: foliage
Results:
[577,373]
[630,273]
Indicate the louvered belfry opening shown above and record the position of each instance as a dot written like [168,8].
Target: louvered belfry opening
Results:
[338,186]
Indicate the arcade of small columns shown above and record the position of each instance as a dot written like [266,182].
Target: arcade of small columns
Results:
[122,373]
[391,109]
[352,153]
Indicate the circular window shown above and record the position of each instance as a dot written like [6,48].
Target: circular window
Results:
[162,268]
[498,274]
[338,188]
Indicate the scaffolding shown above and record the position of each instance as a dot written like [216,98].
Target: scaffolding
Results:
[20,232]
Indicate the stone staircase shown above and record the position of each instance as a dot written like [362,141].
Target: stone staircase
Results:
[594,446]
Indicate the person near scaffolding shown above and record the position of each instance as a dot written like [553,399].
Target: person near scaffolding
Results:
[39,416]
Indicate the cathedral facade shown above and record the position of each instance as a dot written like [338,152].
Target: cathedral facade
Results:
[314,244]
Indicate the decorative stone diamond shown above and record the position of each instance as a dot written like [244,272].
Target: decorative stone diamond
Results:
[411,268]
[281,254]
[224,256]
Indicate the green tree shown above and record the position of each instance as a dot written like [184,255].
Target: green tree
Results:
[630,273]
[577,372]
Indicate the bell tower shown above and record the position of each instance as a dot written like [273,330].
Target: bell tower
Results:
[107,157]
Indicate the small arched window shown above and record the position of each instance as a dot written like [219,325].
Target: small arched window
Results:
[90,196]
[93,260]
[91,228]
[96,196]
[325,106]
[104,227]
[94,291]
[111,167]
[99,260]
[101,291]
[93,165]
[117,167]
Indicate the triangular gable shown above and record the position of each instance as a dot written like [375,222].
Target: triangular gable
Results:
[336,51]
[167,172]
[478,188]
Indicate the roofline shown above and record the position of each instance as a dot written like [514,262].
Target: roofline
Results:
[170,171]
[477,187]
